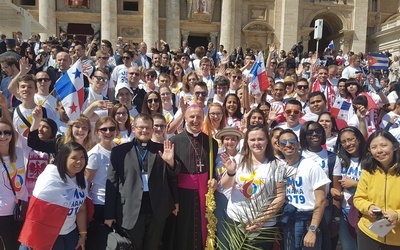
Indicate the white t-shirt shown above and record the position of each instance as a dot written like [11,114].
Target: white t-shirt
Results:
[99,158]
[210,85]
[50,104]
[119,74]
[392,97]
[353,172]
[251,188]
[306,177]
[17,175]
[295,129]
[331,143]
[123,137]
[386,118]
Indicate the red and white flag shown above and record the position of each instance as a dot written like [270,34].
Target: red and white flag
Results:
[48,209]
[259,80]
[70,90]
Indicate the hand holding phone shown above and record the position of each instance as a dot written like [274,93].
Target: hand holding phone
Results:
[378,213]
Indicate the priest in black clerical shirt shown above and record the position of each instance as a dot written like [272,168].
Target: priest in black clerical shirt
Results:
[138,188]
[192,158]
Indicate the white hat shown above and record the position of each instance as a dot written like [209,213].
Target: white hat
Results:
[121,85]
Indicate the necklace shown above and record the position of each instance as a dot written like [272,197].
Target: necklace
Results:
[199,164]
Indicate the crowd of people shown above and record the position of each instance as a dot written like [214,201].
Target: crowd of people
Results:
[304,164]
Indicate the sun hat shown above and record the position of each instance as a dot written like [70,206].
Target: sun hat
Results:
[229,131]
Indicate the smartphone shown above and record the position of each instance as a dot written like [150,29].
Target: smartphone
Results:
[377,212]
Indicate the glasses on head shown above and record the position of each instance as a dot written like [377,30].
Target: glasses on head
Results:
[215,114]
[159,126]
[237,77]
[107,129]
[121,113]
[302,86]
[151,76]
[101,79]
[318,131]
[6,133]
[350,140]
[141,128]
[125,58]
[203,94]
[43,79]
[292,142]
[292,112]
[155,100]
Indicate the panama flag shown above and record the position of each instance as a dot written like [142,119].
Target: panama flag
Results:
[259,80]
[70,90]
[378,61]
[51,202]
[331,45]
[340,109]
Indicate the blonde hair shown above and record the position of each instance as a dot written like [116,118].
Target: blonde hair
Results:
[69,137]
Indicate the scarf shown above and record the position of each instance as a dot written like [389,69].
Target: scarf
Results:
[329,93]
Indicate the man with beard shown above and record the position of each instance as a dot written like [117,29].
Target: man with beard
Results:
[192,157]
[9,66]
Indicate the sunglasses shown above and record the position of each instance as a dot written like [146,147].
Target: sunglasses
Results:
[302,86]
[203,94]
[6,133]
[318,131]
[125,58]
[101,79]
[292,141]
[238,77]
[288,84]
[292,112]
[273,62]
[43,79]
[159,126]
[153,100]
[111,129]
[151,76]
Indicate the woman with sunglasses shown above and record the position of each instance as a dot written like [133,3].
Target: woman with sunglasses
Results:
[253,182]
[12,170]
[331,130]
[78,131]
[350,147]
[120,113]
[152,103]
[106,129]
[377,196]
[150,80]
[232,110]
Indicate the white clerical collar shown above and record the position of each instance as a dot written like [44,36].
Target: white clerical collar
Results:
[194,134]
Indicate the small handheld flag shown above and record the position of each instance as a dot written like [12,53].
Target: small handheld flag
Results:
[331,45]
[259,80]
[378,61]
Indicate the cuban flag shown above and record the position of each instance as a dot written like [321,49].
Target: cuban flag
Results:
[331,45]
[340,109]
[378,61]
[51,202]
[70,90]
[259,80]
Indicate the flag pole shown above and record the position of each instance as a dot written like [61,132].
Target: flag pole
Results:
[48,96]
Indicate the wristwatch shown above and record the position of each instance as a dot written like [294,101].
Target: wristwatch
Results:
[313,228]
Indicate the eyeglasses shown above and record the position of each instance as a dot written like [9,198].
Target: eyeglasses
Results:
[134,73]
[302,86]
[159,126]
[101,79]
[141,128]
[203,94]
[292,141]
[153,100]
[215,114]
[318,131]
[43,79]
[292,112]
[151,76]
[121,113]
[6,133]
[110,129]
[288,84]
[350,140]
[273,62]
[125,58]
[237,77]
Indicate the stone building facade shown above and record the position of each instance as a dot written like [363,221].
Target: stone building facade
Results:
[357,25]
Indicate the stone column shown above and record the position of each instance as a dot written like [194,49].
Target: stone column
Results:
[360,25]
[109,20]
[47,18]
[172,25]
[150,22]
[213,39]
[228,11]
[289,24]
[185,36]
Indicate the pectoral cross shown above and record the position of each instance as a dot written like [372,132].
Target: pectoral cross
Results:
[200,166]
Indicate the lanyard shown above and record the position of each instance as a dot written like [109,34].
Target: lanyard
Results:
[142,157]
